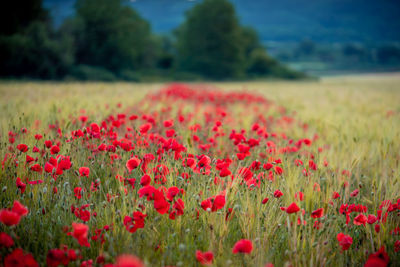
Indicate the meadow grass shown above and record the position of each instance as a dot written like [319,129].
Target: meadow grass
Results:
[356,119]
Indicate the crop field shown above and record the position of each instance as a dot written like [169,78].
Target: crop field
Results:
[220,174]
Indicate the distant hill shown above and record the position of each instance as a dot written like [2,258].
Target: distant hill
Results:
[282,20]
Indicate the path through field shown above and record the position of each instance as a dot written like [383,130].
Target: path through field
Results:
[223,174]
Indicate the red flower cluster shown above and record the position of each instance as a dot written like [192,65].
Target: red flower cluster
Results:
[12,216]
[185,153]
[80,233]
[345,241]
[243,246]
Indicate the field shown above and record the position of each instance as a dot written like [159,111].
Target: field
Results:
[223,174]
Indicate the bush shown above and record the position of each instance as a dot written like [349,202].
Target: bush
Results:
[130,76]
[32,54]
[90,73]
[261,65]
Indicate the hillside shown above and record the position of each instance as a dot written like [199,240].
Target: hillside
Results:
[285,20]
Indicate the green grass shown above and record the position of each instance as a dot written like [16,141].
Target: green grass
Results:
[349,114]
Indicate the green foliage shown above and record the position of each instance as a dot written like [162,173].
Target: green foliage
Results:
[209,41]
[212,43]
[107,40]
[261,65]
[166,59]
[27,46]
[128,75]
[111,36]
[91,73]
[32,54]
[14,18]
[250,40]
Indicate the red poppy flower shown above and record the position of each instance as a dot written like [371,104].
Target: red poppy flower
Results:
[80,233]
[36,168]
[372,219]
[48,167]
[21,186]
[64,163]
[206,205]
[378,259]
[204,161]
[170,133]
[225,172]
[397,246]
[48,143]
[20,209]
[84,171]
[160,204]
[135,222]
[145,180]
[78,192]
[278,194]
[19,258]
[54,150]
[292,208]
[56,257]
[268,166]
[299,196]
[246,173]
[360,219]
[335,195]
[22,147]
[94,128]
[219,203]
[147,191]
[172,192]
[318,213]
[345,241]
[145,128]
[265,200]
[179,206]
[312,165]
[132,163]
[168,123]
[6,240]
[243,246]
[9,218]
[278,170]
[354,193]
[29,159]
[126,260]
[205,258]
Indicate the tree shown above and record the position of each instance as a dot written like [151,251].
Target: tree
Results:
[209,41]
[33,54]
[250,41]
[15,16]
[260,63]
[111,35]
[27,46]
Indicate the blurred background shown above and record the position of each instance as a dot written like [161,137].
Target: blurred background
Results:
[165,40]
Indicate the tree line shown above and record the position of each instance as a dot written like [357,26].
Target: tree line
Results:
[108,40]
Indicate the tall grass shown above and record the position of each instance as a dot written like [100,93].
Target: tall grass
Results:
[356,120]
